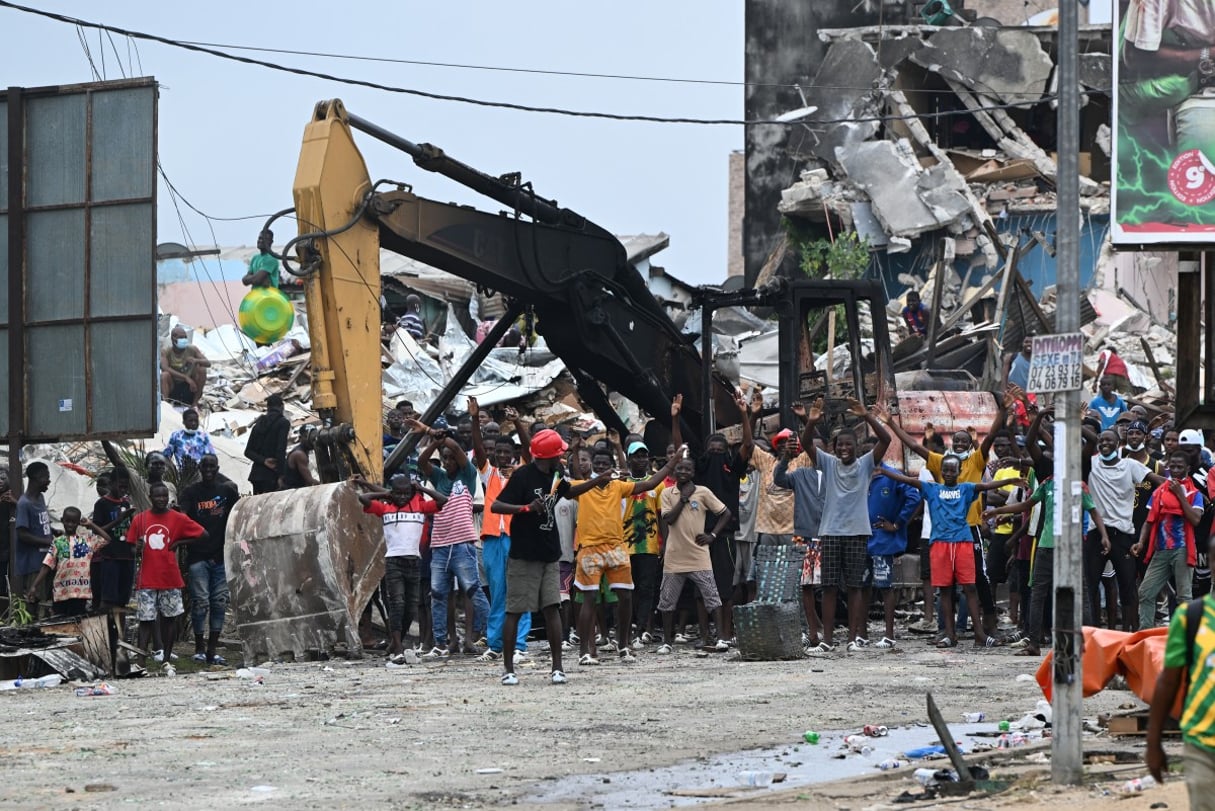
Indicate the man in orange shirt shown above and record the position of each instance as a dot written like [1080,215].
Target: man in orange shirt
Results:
[495,535]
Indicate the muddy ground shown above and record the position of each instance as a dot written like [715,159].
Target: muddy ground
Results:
[357,734]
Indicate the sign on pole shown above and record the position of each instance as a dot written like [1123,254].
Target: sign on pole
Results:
[1163,188]
[78,340]
[1057,363]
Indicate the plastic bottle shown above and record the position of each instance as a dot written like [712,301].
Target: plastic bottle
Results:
[892,763]
[1004,727]
[1138,784]
[811,736]
[750,778]
[874,731]
[974,717]
[855,741]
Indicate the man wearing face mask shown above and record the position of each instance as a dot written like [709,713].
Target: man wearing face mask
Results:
[187,446]
[183,370]
[1112,480]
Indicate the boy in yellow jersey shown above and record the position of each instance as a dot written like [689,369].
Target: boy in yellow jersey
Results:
[1189,666]
[601,549]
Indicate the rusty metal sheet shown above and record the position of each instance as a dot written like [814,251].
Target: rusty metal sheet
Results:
[302,565]
[948,411]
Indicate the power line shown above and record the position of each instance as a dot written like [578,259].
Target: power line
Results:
[482,102]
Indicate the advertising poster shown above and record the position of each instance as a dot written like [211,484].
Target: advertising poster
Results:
[1163,188]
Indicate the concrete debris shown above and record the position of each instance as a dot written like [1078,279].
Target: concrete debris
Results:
[907,199]
[1008,64]
[843,89]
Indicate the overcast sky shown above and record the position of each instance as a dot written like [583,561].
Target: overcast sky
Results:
[230,133]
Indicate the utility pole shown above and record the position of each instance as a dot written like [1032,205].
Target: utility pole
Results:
[1067,749]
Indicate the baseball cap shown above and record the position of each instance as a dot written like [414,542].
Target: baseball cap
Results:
[1191,436]
[634,447]
[781,437]
[1137,425]
[547,444]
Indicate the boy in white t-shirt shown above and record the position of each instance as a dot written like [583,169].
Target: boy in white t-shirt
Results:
[403,510]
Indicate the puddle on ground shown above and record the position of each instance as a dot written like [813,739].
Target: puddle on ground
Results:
[802,763]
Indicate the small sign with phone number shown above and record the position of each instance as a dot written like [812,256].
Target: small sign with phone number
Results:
[1057,363]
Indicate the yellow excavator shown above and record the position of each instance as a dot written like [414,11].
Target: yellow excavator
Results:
[304,563]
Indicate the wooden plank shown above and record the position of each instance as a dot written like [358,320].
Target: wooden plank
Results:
[951,748]
[1147,350]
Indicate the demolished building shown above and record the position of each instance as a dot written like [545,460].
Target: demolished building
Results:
[936,145]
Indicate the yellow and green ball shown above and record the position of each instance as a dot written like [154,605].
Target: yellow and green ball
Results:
[266,315]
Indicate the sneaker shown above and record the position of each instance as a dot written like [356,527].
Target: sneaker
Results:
[567,646]
[885,643]
[490,655]
[638,644]
[664,649]
[168,669]
[509,679]
[861,642]
[198,657]
[821,647]
[647,638]
[587,660]
[217,660]
[557,677]
[627,657]
[721,646]
[436,653]
[520,655]
[158,656]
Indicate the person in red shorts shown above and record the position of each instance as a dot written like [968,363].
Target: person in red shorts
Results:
[953,560]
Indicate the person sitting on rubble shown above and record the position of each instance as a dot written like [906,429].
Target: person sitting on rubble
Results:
[70,559]
[412,321]
[183,370]
[263,267]
[188,445]
[916,315]
[158,532]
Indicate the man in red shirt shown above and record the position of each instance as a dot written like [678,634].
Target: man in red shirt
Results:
[158,532]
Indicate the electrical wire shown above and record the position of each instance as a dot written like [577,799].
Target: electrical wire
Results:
[483,102]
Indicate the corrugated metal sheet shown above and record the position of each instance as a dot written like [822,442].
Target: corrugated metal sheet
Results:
[55,154]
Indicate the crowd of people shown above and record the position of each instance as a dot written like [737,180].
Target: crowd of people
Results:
[619,548]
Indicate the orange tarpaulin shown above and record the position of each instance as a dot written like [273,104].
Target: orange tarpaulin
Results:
[1138,657]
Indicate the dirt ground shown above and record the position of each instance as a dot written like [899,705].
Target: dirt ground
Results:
[356,734]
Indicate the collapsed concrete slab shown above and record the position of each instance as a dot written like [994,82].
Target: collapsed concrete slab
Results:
[907,200]
[1007,63]
[842,89]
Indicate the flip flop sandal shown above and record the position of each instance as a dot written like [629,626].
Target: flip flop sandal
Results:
[946,642]
[990,642]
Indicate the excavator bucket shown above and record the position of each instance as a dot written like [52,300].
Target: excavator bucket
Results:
[302,566]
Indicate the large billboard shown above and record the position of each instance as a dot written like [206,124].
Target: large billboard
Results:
[1163,187]
[78,347]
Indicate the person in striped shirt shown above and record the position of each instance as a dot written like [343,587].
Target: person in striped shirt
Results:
[453,555]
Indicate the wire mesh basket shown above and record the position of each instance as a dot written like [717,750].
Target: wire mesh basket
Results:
[769,631]
[778,572]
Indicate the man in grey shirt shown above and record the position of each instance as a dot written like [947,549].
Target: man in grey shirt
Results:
[34,536]
[845,527]
[1111,482]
